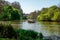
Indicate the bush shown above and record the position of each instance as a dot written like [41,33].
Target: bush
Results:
[27,34]
[7,32]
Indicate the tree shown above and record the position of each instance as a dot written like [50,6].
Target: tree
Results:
[15,15]
[33,15]
[2,4]
[10,13]
[50,14]
[16,5]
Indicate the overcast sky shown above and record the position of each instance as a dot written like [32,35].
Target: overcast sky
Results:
[32,5]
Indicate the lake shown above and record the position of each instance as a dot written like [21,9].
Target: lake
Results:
[46,28]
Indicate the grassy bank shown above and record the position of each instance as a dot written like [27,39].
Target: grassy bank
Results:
[7,32]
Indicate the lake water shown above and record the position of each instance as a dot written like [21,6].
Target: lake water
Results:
[46,28]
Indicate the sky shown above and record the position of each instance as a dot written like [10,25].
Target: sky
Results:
[33,5]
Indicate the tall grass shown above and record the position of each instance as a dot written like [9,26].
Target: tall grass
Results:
[7,31]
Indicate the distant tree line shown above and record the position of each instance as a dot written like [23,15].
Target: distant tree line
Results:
[33,15]
[46,14]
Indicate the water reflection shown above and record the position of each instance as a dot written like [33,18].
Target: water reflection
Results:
[47,28]
[51,28]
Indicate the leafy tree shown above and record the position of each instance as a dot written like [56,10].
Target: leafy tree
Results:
[50,14]
[15,15]
[10,13]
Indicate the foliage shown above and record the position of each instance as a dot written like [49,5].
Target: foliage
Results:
[33,15]
[50,14]
[10,13]
[7,31]
[28,35]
